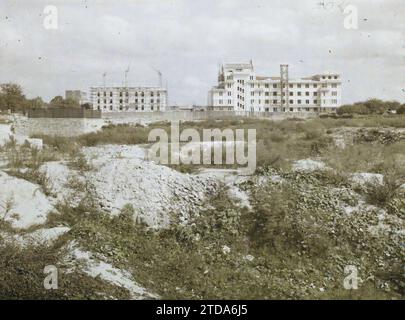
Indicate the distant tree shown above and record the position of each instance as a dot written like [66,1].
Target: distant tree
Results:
[371,106]
[59,102]
[376,106]
[393,105]
[357,108]
[36,103]
[12,97]
[401,109]
[86,106]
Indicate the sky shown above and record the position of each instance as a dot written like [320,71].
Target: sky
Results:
[188,39]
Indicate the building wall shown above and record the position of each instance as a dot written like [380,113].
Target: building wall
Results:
[239,88]
[129,99]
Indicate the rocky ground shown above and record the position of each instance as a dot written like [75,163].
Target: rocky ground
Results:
[118,177]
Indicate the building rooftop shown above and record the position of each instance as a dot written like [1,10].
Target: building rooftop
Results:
[238,66]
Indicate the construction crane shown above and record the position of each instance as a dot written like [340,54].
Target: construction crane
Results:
[104,76]
[126,75]
[160,76]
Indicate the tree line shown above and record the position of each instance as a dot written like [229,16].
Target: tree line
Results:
[12,98]
[372,106]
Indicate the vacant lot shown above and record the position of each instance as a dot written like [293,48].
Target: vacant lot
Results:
[327,194]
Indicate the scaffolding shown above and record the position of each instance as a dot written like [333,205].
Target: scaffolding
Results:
[284,87]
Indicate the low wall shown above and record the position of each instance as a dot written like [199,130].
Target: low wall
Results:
[142,117]
[76,126]
[64,113]
[68,127]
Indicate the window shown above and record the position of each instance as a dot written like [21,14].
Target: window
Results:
[229,93]
[299,101]
[291,109]
[315,101]
[334,93]
[291,93]
[299,93]
[120,100]
[266,93]
[267,101]
[120,93]
[307,85]
[336,77]
[329,77]
[274,93]
[291,101]
[98,94]
[334,85]
[307,93]
[315,85]
[220,101]
[324,85]
[274,86]
[315,93]
[299,85]
[266,85]
[220,94]
[229,101]
[307,101]
[274,101]
[111,94]
[111,100]
[291,86]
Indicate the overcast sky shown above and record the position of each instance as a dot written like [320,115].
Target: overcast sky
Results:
[188,39]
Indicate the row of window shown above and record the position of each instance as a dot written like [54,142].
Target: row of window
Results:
[137,108]
[126,101]
[229,101]
[121,94]
[290,85]
[275,93]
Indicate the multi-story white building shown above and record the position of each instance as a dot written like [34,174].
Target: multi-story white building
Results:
[240,89]
[142,99]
